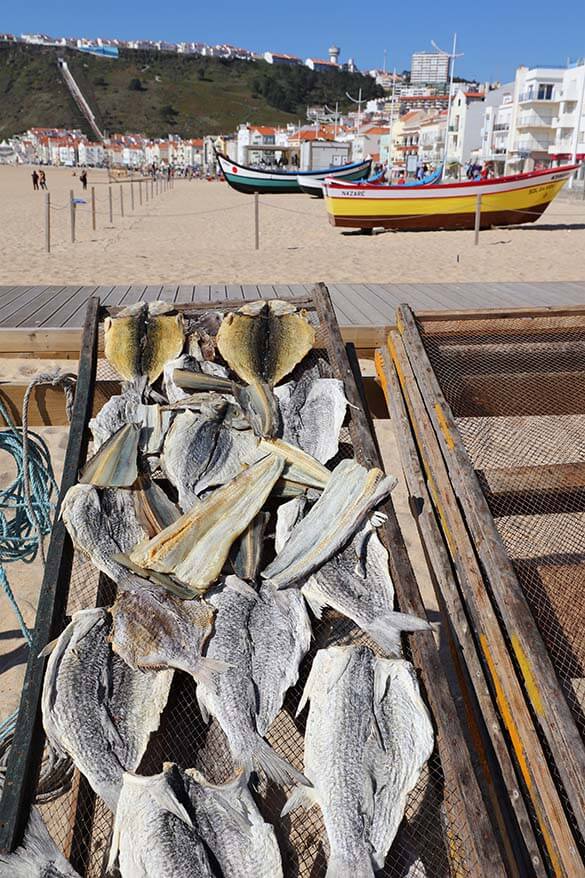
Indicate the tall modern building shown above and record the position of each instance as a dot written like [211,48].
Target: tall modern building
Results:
[429,67]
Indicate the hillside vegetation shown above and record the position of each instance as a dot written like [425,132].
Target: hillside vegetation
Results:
[159,94]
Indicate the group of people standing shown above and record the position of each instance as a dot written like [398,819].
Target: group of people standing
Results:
[475,171]
[39,180]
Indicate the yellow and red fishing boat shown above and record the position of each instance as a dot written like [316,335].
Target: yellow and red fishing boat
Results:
[504,201]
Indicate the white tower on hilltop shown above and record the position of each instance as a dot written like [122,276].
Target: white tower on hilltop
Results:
[334,54]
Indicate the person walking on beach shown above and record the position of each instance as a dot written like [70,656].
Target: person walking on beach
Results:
[43,180]
[35,179]
[83,178]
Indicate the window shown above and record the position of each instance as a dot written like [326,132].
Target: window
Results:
[545,92]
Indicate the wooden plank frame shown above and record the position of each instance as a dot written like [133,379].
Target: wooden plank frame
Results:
[483,850]
[455,755]
[24,760]
[539,679]
[504,794]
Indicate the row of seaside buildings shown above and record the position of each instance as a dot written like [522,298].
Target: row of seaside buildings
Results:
[535,121]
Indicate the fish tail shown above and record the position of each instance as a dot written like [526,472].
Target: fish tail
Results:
[301,797]
[386,630]
[276,767]
[339,868]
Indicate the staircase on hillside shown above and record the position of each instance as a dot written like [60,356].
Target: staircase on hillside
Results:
[77,96]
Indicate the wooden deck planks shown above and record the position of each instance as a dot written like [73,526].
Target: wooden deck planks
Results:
[355,304]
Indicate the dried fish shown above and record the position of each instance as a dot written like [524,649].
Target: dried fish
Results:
[300,466]
[264,341]
[152,629]
[349,496]
[102,524]
[195,548]
[356,582]
[260,407]
[115,465]
[95,708]
[312,411]
[154,510]
[154,836]
[232,828]
[246,554]
[204,451]
[38,856]
[233,700]
[367,737]
[191,368]
[141,339]
[115,413]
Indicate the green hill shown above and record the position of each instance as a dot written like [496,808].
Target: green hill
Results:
[158,94]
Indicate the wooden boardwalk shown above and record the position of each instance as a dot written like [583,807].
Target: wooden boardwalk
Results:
[355,304]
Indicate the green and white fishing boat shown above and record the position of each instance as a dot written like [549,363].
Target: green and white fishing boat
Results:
[249,180]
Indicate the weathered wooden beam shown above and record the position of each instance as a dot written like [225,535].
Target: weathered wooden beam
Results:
[65,343]
[47,403]
[498,313]
[481,712]
[24,758]
[498,666]
[452,747]
[516,394]
[539,678]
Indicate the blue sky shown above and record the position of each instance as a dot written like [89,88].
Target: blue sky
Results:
[495,37]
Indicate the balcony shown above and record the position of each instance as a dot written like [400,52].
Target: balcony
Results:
[533,120]
[533,144]
[565,147]
[531,97]
[501,127]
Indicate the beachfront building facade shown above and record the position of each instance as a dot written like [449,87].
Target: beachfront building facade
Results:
[495,130]
[569,123]
[465,124]
[537,99]
[429,67]
[431,139]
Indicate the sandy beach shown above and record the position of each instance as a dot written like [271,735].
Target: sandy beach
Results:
[203,232]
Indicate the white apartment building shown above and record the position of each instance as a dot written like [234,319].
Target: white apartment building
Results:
[91,154]
[465,124]
[495,132]
[537,100]
[429,67]
[431,139]
[569,123]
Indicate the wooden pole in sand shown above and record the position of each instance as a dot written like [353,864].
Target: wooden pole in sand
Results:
[111,205]
[93,208]
[72,214]
[121,199]
[256,222]
[132,195]
[151,188]
[140,192]
[48,222]
[477,219]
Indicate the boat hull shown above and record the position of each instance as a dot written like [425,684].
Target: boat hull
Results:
[250,180]
[508,201]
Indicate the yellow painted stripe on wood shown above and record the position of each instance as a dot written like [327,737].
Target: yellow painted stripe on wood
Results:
[529,681]
[515,199]
[444,427]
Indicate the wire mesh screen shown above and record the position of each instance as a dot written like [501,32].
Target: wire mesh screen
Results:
[517,389]
[432,840]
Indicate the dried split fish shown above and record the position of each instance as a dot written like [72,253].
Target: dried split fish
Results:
[349,496]
[115,465]
[232,827]
[178,375]
[153,629]
[300,466]
[367,738]
[102,524]
[38,856]
[233,700]
[115,413]
[154,835]
[154,510]
[312,411]
[141,339]
[260,407]
[264,341]
[96,708]
[356,582]
[195,548]
[203,451]
[246,554]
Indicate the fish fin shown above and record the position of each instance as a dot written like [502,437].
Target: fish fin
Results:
[240,817]
[202,709]
[204,669]
[307,691]
[159,787]
[114,846]
[343,662]
[243,588]
[48,649]
[386,630]
[301,797]
[382,671]
[313,598]
[378,518]
[338,868]
[274,766]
